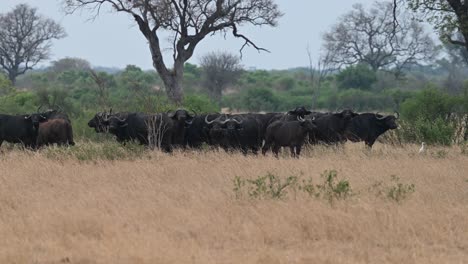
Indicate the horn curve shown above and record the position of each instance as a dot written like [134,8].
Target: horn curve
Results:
[300,119]
[379,118]
[237,121]
[210,122]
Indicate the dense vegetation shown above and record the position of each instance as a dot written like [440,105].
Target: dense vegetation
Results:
[428,97]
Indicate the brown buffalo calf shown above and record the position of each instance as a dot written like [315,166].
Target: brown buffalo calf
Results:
[57,131]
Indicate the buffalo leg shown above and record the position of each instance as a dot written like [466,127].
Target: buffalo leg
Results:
[276,149]
[255,150]
[265,148]
[298,151]
[370,143]
[293,151]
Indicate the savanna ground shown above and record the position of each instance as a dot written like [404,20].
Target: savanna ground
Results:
[105,204]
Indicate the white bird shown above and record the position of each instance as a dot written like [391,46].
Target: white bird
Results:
[423,148]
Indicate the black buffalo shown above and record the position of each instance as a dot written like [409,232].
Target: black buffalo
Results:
[290,134]
[368,127]
[235,132]
[197,132]
[98,122]
[132,126]
[177,125]
[331,127]
[55,131]
[20,128]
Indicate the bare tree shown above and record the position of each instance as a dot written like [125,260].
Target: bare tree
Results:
[375,38]
[449,18]
[219,70]
[319,71]
[25,39]
[189,21]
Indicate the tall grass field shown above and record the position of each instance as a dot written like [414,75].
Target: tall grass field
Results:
[104,203]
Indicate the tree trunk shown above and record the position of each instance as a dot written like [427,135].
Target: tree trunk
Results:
[174,91]
[12,77]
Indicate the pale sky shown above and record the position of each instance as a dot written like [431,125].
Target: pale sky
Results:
[113,40]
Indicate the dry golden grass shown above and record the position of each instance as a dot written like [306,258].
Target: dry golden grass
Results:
[181,208]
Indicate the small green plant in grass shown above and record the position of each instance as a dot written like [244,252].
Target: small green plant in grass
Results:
[399,191]
[307,186]
[239,183]
[270,186]
[394,191]
[331,189]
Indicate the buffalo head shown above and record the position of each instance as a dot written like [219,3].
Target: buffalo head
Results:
[347,114]
[35,119]
[308,124]
[387,121]
[181,115]
[299,111]
[98,122]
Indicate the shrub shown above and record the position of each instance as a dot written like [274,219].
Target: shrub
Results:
[200,104]
[331,189]
[358,77]
[260,99]
[395,191]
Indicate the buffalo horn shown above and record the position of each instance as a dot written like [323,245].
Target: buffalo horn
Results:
[237,121]
[300,119]
[209,122]
[379,118]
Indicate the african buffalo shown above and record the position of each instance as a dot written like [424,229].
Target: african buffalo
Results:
[235,132]
[20,128]
[331,127]
[57,131]
[290,134]
[179,121]
[368,127]
[197,132]
[132,126]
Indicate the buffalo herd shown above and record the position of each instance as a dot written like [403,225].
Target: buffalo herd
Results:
[182,129]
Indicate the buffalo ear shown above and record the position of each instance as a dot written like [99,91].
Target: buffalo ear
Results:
[171,114]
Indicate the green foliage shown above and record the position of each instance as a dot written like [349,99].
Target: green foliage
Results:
[429,104]
[200,104]
[269,186]
[395,191]
[331,189]
[359,77]
[5,85]
[260,99]
[286,83]
[428,117]
[18,103]
[272,186]
[399,191]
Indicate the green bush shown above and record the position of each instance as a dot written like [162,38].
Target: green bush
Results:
[5,85]
[429,104]
[428,117]
[260,99]
[357,77]
[200,104]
